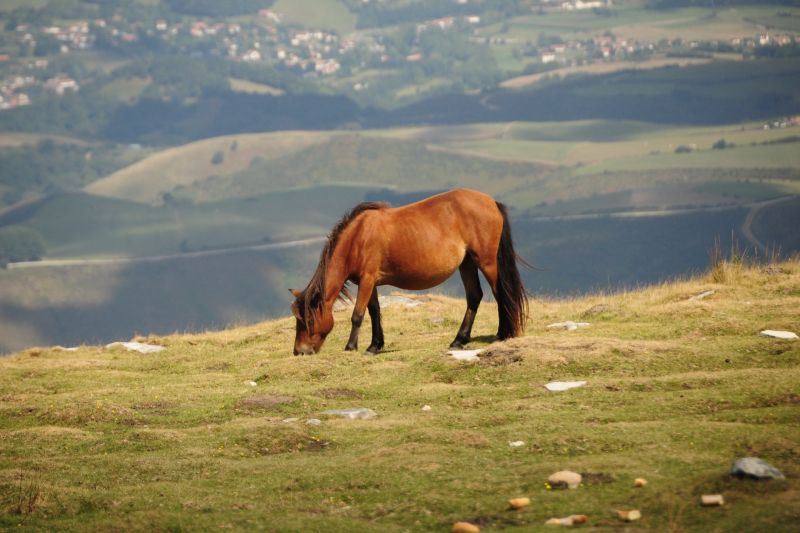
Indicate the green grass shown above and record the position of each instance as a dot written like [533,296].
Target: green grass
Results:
[317,14]
[635,22]
[246,86]
[678,389]
[126,90]
[10,5]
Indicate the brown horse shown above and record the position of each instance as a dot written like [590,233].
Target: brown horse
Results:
[415,247]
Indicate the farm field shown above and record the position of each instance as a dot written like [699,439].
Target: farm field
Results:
[677,389]
[599,68]
[636,22]
[315,14]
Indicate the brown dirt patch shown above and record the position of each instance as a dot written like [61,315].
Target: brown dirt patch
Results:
[265,401]
[596,478]
[339,394]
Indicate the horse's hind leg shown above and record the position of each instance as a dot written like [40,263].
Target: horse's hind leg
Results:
[374,309]
[472,286]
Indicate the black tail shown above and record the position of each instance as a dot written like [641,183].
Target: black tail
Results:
[512,300]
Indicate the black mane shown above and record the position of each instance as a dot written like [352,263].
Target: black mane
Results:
[311,299]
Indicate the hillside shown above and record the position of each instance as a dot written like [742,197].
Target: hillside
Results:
[678,388]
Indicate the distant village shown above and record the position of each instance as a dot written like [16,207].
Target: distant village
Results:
[311,53]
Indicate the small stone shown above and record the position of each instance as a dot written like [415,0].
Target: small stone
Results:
[558,386]
[712,500]
[704,294]
[629,516]
[251,383]
[289,420]
[569,325]
[517,443]
[565,479]
[570,520]
[639,482]
[313,422]
[426,407]
[465,527]
[787,335]
[519,503]
[353,413]
[756,468]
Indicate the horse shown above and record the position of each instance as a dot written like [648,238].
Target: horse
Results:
[413,247]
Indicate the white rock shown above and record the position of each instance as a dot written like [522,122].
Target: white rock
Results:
[563,385]
[313,422]
[569,325]
[64,349]
[395,299]
[289,420]
[251,383]
[517,443]
[353,413]
[465,355]
[136,347]
[426,407]
[383,301]
[788,335]
[704,294]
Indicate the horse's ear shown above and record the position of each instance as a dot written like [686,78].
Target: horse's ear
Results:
[295,293]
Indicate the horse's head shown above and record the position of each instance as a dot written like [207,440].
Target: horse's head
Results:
[312,324]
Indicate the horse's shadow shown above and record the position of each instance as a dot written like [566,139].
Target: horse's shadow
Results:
[486,339]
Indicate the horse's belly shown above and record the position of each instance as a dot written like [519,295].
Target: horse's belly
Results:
[416,283]
[419,271]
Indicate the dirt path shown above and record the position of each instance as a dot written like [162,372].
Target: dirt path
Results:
[747,225]
[161,258]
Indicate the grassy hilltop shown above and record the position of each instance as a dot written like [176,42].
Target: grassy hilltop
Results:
[99,439]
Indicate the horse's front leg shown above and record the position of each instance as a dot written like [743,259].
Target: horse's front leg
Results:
[365,290]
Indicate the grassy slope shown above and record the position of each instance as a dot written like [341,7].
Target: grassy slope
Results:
[677,390]
[80,225]
[147,180]
[266,162]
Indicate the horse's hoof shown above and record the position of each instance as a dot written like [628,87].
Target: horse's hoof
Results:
[458,345]
[372,350]
[350,348]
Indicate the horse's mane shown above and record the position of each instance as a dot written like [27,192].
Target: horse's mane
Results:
[311,299]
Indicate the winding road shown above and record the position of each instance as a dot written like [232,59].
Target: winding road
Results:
[747,231]
[162,258]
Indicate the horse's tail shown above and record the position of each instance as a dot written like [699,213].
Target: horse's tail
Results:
[512,300]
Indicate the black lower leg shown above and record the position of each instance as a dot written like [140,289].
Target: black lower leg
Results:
[374,309]
[352,342]
[472,286]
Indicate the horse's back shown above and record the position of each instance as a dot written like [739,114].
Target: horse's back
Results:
[423,243]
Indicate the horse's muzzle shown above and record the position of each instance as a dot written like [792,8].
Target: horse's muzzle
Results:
[304,349]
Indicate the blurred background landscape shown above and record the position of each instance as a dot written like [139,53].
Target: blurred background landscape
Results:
[172,165]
